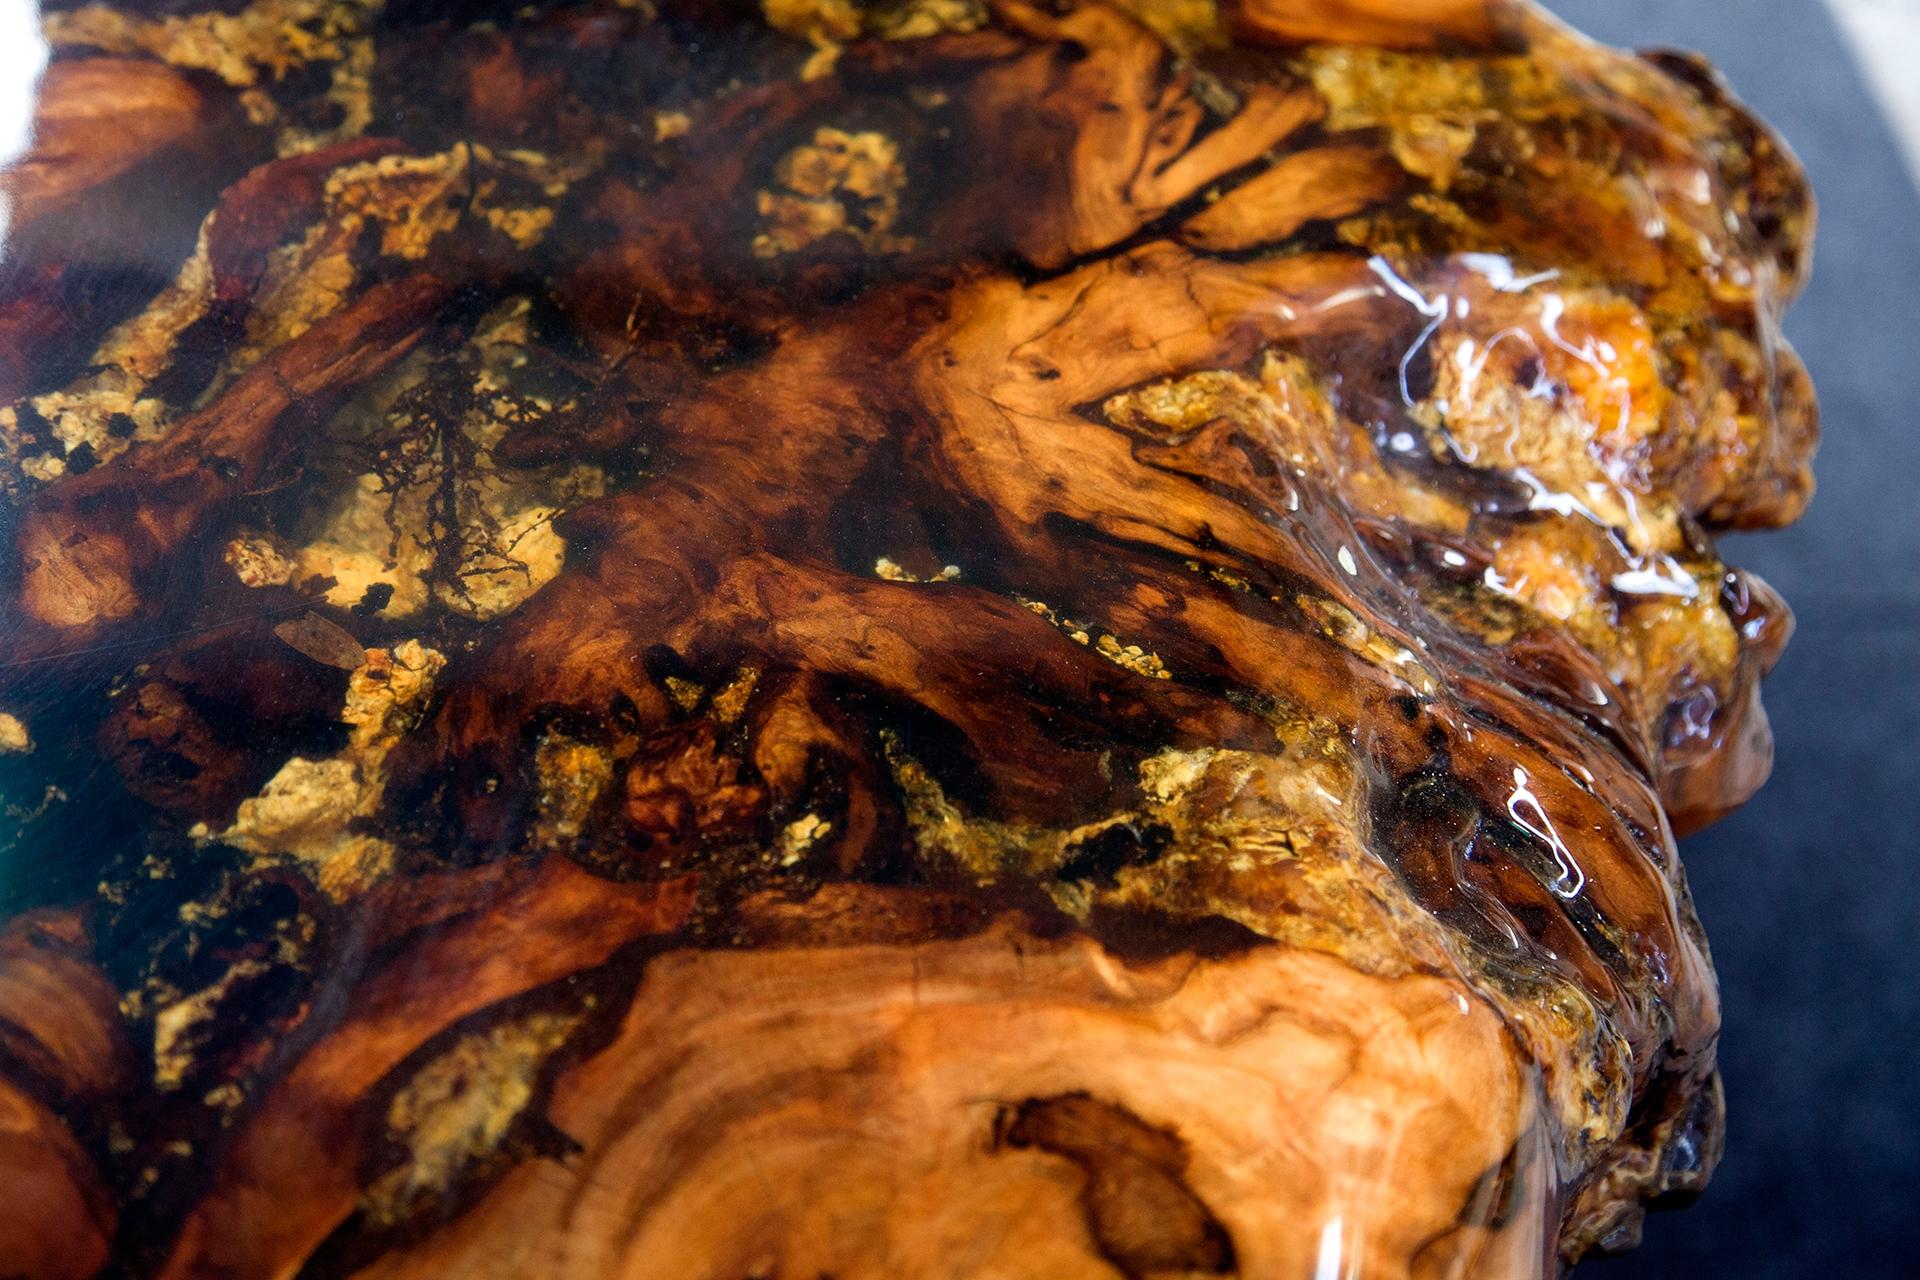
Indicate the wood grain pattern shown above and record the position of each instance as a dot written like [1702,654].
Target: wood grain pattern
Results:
[931,638]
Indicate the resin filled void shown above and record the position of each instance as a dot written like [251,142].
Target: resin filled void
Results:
[913,639]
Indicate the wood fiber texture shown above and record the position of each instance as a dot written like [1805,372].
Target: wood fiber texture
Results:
[919,639]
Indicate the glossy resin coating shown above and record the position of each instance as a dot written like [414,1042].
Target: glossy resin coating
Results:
[941,638]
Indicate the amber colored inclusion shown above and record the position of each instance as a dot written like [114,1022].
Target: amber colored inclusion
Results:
[915,638]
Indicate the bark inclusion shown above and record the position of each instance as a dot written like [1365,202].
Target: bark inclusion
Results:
[944,637]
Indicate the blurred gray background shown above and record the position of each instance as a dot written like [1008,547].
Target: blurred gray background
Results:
[1811,894]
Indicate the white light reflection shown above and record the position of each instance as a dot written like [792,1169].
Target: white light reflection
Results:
[1470,359]
[1346,297]
[1435,310]
[1666,579]
[1327,1266]
[23,55]
[1552,307]
[1404,291]
[1523,802]
[1542,498]
[1498,272]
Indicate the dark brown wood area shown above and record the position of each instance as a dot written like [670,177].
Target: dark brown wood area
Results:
[910,639]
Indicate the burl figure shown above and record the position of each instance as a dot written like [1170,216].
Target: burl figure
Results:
[708,640]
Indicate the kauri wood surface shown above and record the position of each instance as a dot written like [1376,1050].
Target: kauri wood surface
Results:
[706,640]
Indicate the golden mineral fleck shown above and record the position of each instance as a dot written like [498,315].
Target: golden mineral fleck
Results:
[307,811]
[840,183]
[452,1118]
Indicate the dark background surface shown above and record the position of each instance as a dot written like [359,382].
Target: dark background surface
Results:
[1811,894]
